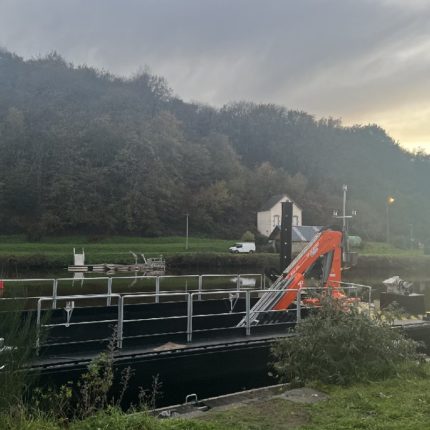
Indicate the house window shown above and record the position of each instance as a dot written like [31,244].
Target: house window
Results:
[295,220]
[276,220]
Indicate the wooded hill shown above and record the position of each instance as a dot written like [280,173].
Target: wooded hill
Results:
[85,151]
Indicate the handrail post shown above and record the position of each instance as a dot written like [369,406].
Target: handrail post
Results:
[248,307]
[299,306]
[109,286]
[157,289]
[238,281]
[200,287]
[190,317]
[370,300]
[39,311]
[54,293]
[120,321]
[264,280]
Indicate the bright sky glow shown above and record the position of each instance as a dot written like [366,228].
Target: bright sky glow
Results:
[365,61]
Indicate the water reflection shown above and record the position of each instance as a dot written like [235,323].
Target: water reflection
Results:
[420,286]
[85,283]
[82,283]
[78,276]
[423,287]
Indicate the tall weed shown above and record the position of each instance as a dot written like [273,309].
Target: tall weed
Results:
[337,344]
[19,332]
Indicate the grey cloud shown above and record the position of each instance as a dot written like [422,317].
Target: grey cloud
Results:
[329,57]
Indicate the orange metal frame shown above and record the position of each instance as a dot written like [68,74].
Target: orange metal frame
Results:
[329,241]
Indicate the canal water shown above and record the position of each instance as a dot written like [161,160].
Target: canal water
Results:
[96,283]
[28,286]
[421,285]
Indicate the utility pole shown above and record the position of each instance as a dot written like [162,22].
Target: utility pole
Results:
[390,200]
[345,189]
[186,232]
[387,223]
[344,218]
[411,236]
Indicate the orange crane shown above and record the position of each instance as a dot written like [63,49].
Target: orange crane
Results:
[328,245]
[325,246]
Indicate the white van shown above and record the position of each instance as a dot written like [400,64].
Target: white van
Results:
[242,247]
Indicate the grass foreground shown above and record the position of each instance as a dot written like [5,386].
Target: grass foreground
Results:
[399,403]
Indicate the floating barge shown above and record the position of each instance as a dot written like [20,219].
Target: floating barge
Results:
[180,335]
[147,265]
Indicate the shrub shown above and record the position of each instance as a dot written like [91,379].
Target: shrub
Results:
[261,240]
[248,236]
[19,333]
[401,242]
[341,346]
[93,392]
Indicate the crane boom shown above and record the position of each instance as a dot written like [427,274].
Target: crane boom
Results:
[327,245]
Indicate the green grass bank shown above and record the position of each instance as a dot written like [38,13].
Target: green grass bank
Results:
[399,403]
[202,253]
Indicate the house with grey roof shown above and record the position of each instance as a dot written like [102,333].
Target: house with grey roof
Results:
[269,215]
[301,236]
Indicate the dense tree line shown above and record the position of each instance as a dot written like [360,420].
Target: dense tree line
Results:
[85,151]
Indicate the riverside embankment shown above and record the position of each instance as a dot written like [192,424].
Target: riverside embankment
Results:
[17,255]
[368,265]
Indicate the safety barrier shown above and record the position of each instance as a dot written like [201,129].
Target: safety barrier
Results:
[70,304]
[110,281]
[269,315]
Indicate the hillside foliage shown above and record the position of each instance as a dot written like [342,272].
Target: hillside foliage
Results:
[83,151]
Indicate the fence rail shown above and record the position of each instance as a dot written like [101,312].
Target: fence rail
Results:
[264,318]
[70,301]
[111,281]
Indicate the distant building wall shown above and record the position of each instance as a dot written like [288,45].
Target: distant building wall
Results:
[264,225]
[268,219]
[276,214]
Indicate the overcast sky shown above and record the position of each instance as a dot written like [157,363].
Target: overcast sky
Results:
[365,61]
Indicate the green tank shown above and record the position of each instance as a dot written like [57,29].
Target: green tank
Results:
[354,241]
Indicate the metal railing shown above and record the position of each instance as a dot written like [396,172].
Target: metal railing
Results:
[136,296]
[50,281]
[158,280]
[270,315]
[70,302]
[57,282]
[344,284]
[199,278]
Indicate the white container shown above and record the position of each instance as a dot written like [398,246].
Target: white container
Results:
[242,248]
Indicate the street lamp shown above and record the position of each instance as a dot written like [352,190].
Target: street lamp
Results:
[389,202]
[186,231]
[411,236]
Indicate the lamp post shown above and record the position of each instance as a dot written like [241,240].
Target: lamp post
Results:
[389,202]
[411,236]
[186,233]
